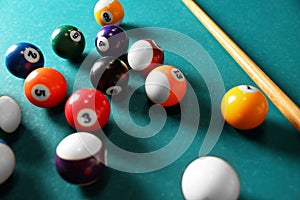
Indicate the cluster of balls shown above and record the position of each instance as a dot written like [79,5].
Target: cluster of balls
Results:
[87,110]
[81,157]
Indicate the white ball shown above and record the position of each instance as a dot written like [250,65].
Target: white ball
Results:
[10,114]
[210,178]
[7,162]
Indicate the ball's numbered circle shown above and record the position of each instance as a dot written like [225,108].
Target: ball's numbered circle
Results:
[86,117]
[103,44]
[75,36]
[31,55]
[113,90]
[178,75]
[248,88]
[107,17]
[40,92]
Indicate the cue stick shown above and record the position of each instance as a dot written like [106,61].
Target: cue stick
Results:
[284,104]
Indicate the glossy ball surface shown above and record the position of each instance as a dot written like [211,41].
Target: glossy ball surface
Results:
[7,161]
[111,40]
[145,54]
[10,114]
[80,158]
[210,178]
[68,42]
[165,85]
[22,58]
[244,107]
[107,12]
[109,75]
[87,109]
[45,87]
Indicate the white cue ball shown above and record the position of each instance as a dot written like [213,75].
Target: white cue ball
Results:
[210,178]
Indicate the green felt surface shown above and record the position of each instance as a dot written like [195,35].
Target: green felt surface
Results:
[266,159]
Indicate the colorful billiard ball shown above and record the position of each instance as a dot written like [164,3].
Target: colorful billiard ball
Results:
[109,75]
[165,85]
[111,40]
[244,107]
[87,109]
[7,161]
[68,42]
[45,87]
[10,114]
[107,12]
[210,177]
[145,55]
[22,58]
[80,158]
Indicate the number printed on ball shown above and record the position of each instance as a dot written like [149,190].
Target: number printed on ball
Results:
[113,90]
[31,55]
[106,17]
[178,75]
[40,92]
[103,44]
[87,117]
[75,36]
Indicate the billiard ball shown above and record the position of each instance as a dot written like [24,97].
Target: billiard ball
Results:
[68,42]
[87,109]
[109,75]
[244,107]
[165,85]
[45,87]
[145,55]
[10,114]
[111,40]
[7,161]
[80,158]
[22,58]
[107,12]
[210,177]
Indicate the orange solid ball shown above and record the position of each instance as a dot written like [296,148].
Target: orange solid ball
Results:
[45,87]
[244,107]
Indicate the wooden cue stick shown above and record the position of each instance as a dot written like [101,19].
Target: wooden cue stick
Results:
[285,105]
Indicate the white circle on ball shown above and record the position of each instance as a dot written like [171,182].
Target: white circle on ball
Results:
[248,88]
[78,146]
[87,117]
[75,36]
[106,17]
[7,162]
[31,55]
[102,44]
[210,178]
[157,87]
[113,90]
[140,55]
[40,92]
[178,75]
